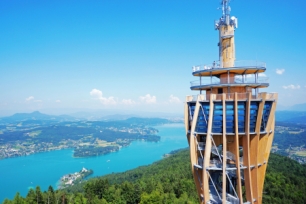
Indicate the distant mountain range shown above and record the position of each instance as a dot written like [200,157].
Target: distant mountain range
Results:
[282,115]
[297,107]
[36,115]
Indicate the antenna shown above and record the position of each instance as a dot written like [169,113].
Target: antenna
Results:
[226,20]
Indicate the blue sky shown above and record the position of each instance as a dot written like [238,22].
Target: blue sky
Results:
[66,56]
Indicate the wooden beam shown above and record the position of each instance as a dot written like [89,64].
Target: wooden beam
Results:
[224,150]
[261,148]
[236,151]
[193,149]
[246,152]
[186,120]
[269,140]
[208,145]
[270,127]
[254,149]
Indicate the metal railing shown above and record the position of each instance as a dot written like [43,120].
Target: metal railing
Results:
[237,64]
[230,80]
[231,96]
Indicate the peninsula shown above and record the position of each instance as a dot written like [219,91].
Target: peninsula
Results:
[87,138]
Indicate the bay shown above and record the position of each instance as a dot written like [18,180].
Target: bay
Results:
[43,169]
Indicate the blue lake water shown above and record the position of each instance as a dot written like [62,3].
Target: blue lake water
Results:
[22,173]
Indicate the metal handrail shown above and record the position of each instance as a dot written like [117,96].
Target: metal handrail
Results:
[237,64]
[230,80]
[241,96]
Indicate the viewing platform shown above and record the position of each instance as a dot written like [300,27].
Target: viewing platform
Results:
[243,67]
[250,80]
[231,96]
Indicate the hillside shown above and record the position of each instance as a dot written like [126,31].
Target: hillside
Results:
[170,181]
[35,116]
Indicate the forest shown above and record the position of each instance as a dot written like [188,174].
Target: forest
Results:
[168,181]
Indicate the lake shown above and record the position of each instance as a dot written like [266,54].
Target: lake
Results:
[43,169]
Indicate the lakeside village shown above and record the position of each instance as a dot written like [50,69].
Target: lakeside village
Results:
[74,178]
[292,148]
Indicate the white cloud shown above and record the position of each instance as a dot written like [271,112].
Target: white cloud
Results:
[97,94]
[128,101]
[291,86]
[148,99]
[57,101]
[280,71]
[174,99]
[30,98]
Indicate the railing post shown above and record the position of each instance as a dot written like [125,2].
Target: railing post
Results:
[210,78]
[228,76]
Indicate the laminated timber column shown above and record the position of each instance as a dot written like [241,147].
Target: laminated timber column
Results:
[257,150]
[270,135]
[186,115]
[263,139]
[246,152]
[207,153]
[236,150]
[187,118]
[193,149]
[224,151]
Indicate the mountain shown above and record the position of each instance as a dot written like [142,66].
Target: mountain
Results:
[36,115]
[117,117]
[146,121]
[298,107]
[290,116]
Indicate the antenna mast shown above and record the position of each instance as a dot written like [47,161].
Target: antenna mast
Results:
[226,26]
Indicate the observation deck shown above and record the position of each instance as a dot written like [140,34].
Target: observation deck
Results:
[241,74]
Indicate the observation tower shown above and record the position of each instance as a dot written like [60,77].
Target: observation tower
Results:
[229,124]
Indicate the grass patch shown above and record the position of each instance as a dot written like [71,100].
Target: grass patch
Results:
[103,143]
[301,153]
[34,133]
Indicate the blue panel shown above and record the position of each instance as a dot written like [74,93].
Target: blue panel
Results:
[241,116]
[191,109]
[203,117]
[265,115]
[217,124]
[242,122]
[230,117]
[241,105]
[217,130]
[230,130]
[241,129]
[253,115]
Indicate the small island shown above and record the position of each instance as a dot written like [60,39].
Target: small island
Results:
[74,178]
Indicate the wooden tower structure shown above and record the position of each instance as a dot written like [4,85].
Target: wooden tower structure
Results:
[229,125]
